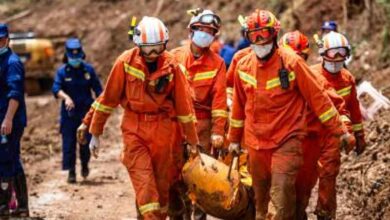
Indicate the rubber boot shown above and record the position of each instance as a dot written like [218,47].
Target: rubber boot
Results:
[5,196]
[21,191]
[85,171]
[72,176]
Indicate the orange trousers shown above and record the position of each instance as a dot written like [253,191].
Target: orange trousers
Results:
[147,155]
[321,156]
[274,173]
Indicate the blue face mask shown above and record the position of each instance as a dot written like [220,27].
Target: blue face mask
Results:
[74,62]
[202,39]
[3,50]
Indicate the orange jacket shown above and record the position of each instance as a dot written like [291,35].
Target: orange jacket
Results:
[216,46]
[313,124]
[345,86]
[133,87]
[268,115]
[207,78]
[230,73]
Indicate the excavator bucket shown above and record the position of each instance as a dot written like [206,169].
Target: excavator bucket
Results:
[212,188]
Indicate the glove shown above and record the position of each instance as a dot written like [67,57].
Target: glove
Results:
[81,133]
[94,145]
[347,142]
[216,140]
[360,143]
[234,148]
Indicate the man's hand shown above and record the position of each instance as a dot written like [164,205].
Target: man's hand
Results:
[94,146]
[216,141]
[6,126]
[234,147]
[360,144]
[81,134]
[347,142]
[69,104]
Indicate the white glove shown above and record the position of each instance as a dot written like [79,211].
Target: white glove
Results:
[229,103]
[234,147]
[216,140]
[94,145]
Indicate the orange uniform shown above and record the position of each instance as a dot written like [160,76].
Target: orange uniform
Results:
[207,78]
[230,73]
[271,121]
[345,86]
[321,156]
[149,125]
[216,46]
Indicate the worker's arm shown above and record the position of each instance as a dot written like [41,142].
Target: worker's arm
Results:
[354,108]
[96,85]
[6,125]
[184,107]
[218,106]
[109,99]
[317,98]
[15,95]
[238,107]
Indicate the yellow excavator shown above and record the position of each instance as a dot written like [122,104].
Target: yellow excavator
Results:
[38,57]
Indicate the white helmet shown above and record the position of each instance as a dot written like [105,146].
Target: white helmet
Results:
[334,40]
[150,31]
[205,18]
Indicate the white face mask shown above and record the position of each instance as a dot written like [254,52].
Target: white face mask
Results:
[333,67]
[262,50]
[202,39]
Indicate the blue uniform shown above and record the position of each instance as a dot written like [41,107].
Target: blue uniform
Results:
[227,53]
[78,83]
[243,43]
[12,87]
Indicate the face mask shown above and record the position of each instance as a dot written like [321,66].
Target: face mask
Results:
[202,39]
[262,50]
[333,67]
[3,50]
[74,62]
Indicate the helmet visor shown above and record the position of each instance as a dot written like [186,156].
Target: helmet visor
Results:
[150,49]
[209,19]
[261,35]
[334,52]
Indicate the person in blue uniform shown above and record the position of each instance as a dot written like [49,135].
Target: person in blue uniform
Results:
[13,121]
[74,83]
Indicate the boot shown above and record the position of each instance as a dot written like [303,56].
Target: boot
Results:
[5,197]
[72,176]
[84,171]
[21,196]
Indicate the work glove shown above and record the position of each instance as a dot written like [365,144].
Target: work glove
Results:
[360,143]
[216,141]
[234,148]
[94,146]
[229,102]
[81,134]
[347,142]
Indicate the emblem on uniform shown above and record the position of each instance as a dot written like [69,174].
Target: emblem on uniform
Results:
[68,79]
[87,76]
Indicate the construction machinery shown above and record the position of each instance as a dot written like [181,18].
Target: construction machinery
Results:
[38,57]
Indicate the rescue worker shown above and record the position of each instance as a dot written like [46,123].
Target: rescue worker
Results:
[336,50]
[327,27]
[74,82]
[206,73]
[13,121]
[271,90]
[148,83]
[321,153]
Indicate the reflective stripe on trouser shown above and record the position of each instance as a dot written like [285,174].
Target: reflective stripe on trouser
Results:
[69,145]
[147,157]
[274,172]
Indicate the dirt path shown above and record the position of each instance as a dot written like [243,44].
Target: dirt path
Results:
[107,194]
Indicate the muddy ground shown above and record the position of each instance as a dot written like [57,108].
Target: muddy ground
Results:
[364,181]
